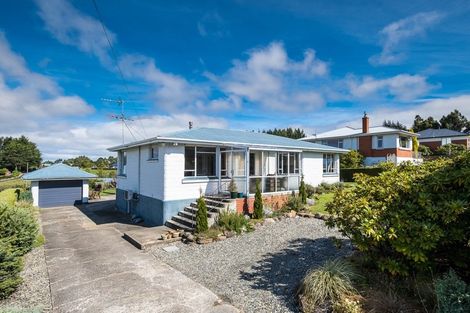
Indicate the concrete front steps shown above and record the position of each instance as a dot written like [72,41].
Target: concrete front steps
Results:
[186,219]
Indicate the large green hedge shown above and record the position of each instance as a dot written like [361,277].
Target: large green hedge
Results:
[347,174]
[410,217]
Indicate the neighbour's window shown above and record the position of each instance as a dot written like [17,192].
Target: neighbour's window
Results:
[340,143]
[153,152]
[122,162]
[329,164]
[380,141]
[404,142]
[199,161]
[446,141]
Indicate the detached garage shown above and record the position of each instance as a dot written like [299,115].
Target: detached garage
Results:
[59,185]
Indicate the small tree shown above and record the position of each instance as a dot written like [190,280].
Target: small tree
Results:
[352,159]
[258,205]
[303,191]
[201,216]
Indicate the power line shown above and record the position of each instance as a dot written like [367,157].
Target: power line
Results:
[114,56]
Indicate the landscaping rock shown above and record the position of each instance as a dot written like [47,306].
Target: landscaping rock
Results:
[203,241]
[290,214]
[189,237]
[220,238]
[269,220]
[310,201]
[229,234]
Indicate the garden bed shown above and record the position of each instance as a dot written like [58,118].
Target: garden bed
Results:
[258,271]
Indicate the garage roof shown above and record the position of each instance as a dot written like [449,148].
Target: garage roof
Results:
[58,171]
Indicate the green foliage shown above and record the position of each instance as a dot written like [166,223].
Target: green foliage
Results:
[258,204]
[310,190]
[294,202]
[453,294]
[19,153]
[201,216]
[10,268]
[13,184]
[19,227]
[81,161]
[409,217]
[424,150]
[3,171]
[454,121]
[26,196]
[393,124]
[420,124]
[303,191]
[352,159]
[450,149]
[233,221]
[294,133]
[330,282]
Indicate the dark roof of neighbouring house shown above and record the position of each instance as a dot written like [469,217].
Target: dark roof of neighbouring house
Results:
[58,171]
[345,132]
[439,133]
[232,137]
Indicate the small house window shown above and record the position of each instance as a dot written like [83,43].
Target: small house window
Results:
[446,141]
[404,142]
[340,143]
[329,164]
[199,161]
[380,142]
[122,163]
[153,152]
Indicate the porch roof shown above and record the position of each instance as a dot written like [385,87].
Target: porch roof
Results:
[228,137]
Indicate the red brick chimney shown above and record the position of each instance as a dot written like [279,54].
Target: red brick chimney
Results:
[365,123]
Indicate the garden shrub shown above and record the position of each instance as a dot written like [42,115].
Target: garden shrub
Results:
[310,190]
[258,204]
[294,202]
[302,191]
[233,221]
[10,268]
[3,171]
[453,294]
[201,216]
[348,174]
[18,226]
[424,150]
[26,196]
[352,159]
[450,149]
[330,282]
[409,217]
[15,183]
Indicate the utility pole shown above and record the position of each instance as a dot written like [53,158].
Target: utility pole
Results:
[121,117]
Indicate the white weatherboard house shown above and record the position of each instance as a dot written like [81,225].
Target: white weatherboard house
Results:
[159,176]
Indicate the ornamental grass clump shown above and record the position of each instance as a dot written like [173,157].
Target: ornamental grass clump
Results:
[202,224]
[233,221]
[326,284]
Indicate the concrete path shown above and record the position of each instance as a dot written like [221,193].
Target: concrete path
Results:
[92,269]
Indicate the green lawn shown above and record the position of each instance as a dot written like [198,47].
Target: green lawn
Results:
[321,202]
[8,196]
[108,192]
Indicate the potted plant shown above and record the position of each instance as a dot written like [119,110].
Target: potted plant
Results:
[232,187]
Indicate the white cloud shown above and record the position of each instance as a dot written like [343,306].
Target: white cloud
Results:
[72,28]
[212,24]
[435,108]
[394,35]
[30,99]
[65,140]
[273,80]
[400,87]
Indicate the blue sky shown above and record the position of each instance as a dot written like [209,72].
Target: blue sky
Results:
[238,64]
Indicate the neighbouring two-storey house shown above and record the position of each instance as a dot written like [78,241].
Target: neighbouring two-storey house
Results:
[375,143]
[160,176]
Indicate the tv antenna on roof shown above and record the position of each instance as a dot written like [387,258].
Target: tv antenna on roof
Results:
[120,117]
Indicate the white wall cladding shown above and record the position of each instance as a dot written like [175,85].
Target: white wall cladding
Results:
[312,169]
[177,187]
[151,173]
[130,181]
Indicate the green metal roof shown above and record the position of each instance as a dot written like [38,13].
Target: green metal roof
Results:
[58,171]
[232,137]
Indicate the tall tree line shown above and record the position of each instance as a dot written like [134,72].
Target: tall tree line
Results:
[19,154]
[294,133]
[454,121]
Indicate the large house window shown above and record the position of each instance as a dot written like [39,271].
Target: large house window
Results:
[199,161]
[404,142]
[122,163]
[380,142]
[329,164]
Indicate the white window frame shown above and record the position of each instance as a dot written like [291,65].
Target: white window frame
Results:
[407,146]
[329,164]
[340,143]
[195,162]
[446,141]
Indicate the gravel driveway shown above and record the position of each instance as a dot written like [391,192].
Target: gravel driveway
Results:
[258,271]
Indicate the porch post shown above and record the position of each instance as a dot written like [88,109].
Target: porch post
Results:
[218,166]
[247,170]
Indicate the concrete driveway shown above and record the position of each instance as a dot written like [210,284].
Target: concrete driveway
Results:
[92,269]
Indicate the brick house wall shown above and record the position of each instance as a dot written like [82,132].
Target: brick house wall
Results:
[365,148]
[275,202]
